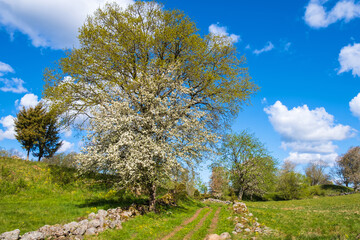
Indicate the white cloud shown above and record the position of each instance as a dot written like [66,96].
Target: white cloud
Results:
[304,158]
[222,31]
[5,68]
[355,106]
[349,59]
[268,47]
[28,100]
[49,23]
[66,146]
[67,132]
[7,123]
[14,85]
[317,16]
[307,133]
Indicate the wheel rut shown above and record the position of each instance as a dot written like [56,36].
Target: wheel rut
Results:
[198,226]
[182,225]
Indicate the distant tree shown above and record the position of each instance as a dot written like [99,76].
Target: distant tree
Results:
[218,181]
[349,166]
[252,169]
[27,126]
[290,183]
[201,186]
[315,172]
[62,159]
[48,141]
[37,131]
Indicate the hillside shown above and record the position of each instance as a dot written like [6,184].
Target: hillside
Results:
[33,194]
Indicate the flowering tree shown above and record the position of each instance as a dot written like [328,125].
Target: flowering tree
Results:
[155,92]
[143,137]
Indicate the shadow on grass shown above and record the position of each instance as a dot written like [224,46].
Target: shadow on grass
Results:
[336,188]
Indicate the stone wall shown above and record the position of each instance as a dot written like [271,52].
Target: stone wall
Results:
[93,224]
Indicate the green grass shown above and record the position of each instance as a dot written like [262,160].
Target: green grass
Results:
[319,218]
[34,194]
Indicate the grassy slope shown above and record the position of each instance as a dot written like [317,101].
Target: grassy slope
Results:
[33,194]
[318,218]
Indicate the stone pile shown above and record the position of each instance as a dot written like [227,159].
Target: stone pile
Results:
[95,223]
[213,200]
[247,223]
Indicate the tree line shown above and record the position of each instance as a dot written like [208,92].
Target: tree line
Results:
[245,168]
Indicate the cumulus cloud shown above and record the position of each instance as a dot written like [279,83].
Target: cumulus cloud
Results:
[268,47]
[317,16]
[5,68]
[28,100]
[307,133]
[66,146]
[47,23]
[355,106]
[304,158]
[349,59]
[222,31]
[14,85]
[9,128]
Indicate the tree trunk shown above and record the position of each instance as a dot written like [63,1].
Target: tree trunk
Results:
[28,153]
[241,193]
[39,158]
[152,198]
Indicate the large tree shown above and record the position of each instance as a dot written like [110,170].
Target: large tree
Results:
[349,167]
[218,181]
[155,91]
[315,172]
[251,166]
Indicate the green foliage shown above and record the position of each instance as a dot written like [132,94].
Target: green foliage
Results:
[252,169]
[290,183]
[62,159]
[37,131]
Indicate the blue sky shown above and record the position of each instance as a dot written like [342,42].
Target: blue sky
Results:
[304,55]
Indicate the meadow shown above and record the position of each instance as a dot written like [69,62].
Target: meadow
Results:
[34,194]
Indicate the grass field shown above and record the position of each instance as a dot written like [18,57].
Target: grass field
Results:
[318,218]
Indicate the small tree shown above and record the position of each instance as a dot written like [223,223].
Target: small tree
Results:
[27,126]
[252,169]
[315,172]
[48,141]
[218,181]
[37,131]
[349,166]
[290,183]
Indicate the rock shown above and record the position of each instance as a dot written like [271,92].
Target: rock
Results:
[116,224]
[94,223]
[102,214]
[70,227]
[90,231]
[92,216]
[225,236]
[213,237]
[13,235]
[35,235]
[247,230]
[239,227]
[233,232]
[56,230]
[250,215]
[80,230]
